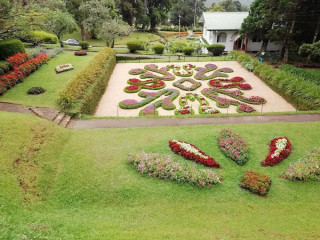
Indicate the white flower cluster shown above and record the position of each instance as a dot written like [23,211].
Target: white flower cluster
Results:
[190,149]
[281,145]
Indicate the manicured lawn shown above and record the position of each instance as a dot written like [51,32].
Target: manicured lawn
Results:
[47,78]
[87,190]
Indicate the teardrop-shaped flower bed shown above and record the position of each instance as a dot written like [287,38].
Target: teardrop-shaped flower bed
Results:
[191,152]
[280,148]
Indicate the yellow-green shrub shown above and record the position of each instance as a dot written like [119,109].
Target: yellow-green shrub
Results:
[44,37]
[83,93]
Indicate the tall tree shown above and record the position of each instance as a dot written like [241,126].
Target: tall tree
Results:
[157,10]
[189,10]
[132,11]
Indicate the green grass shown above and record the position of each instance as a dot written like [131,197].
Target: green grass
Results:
[87,190]
[313,71]
[47,78]
[120,41]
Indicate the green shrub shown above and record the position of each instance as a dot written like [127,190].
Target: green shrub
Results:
[134,46]
[188,51]
[36,91]
[303,95]
[216,49]
[177,47]
[44,37]
[310,49]
[83,93]
[10,47]
[4,68]
[158,49]
[84,45]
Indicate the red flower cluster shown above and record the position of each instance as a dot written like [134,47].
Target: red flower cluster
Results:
[272,159]
[21,71]
[137,85]
[255,182]
[17,59]
[204,160]
[80,53]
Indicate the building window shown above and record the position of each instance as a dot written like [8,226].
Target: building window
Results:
[256,39]
[222,37]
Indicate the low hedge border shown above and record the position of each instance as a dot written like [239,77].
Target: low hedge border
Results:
[303,95]
[83,93]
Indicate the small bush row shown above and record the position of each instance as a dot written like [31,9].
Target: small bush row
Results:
[233,146]
[304,95]
[162,166]
[10,47]
[305,169]
[84,91]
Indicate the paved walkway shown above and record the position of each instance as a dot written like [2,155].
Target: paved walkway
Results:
[156,122]
[63,120]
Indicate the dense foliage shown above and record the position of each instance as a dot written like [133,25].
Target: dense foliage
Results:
[216,49]
[36,90]
[84,91]
[44,37]
[304,95]
[301,73]
[163,167]
[10,47]
[158,49]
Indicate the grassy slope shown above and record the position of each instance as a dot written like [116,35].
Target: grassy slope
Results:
[47,78]
[88,191]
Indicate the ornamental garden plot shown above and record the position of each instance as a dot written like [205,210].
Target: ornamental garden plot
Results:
[186,89]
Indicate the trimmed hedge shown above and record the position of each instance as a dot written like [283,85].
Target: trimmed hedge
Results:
[158,49]
[188,51]
[83,93]
[84,45]
[216,49]
[134,46]
[303,95]
[44,37]
[10,47]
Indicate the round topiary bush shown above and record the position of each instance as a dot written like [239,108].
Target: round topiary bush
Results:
[188,51]
[216,49]
[36,91]
[10,47]
[84,45]
[158,49]
[134,46]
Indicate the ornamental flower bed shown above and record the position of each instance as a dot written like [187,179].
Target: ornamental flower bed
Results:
[64,68]
[137,85]
[80,53]
[280,148]
[20,72]
[200,75]
[154,68]
[163,167]
[305,169]
[256,183]
[179,84]
[233,146]
[137,71]
[191,152]
[236,83]
[17,59]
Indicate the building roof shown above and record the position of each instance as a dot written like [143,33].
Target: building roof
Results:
[223,20]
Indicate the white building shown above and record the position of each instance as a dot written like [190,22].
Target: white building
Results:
[223,28]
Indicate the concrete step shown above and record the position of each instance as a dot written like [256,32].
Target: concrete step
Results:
[65,121]
[58,118]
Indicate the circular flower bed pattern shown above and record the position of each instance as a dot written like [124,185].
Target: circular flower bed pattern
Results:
[222,90]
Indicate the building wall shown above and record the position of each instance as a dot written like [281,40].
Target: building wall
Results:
[212,38]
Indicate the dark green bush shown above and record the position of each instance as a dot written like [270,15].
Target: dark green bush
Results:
[310,49]
[84,45]
[83,93]
[216,49]
[134,46]
[303,95]
[10,47]
[158,49]
[4,68]
[188,51]
[44,37]
[36,91]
